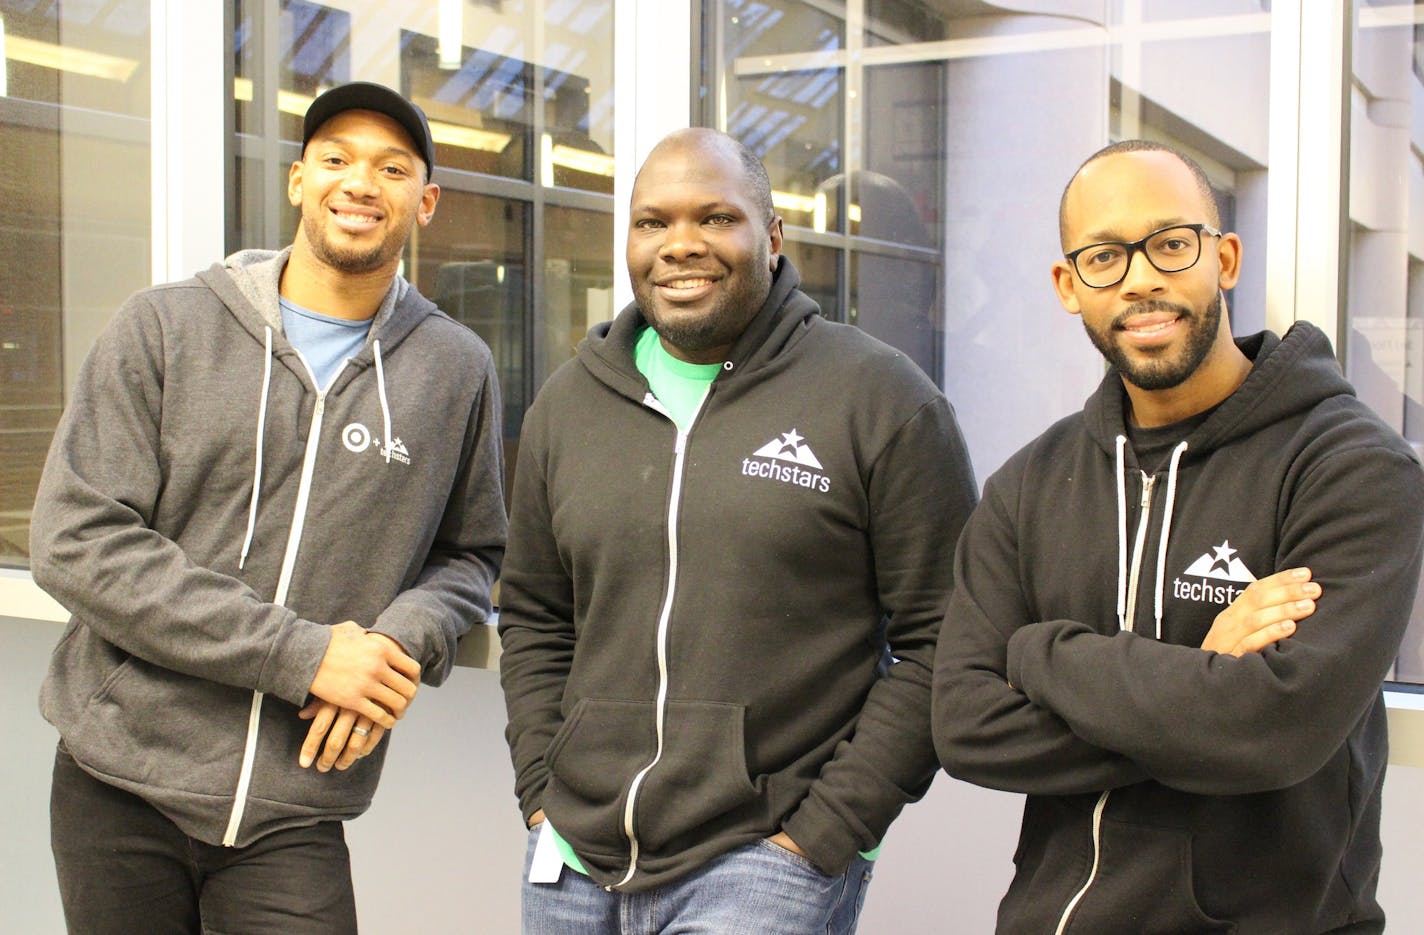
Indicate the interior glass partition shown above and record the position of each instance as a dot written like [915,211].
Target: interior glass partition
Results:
[75,233]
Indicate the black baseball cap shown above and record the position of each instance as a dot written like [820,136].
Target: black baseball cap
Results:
[366,95]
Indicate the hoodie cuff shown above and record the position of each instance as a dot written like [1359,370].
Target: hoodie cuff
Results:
[294,660]
[824,838]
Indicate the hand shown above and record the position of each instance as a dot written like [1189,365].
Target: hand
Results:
[536,819]
[341,729]
[783,840]
[366,673]
[1265,612]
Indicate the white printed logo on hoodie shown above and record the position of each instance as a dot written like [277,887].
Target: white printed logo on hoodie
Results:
[794,457]
[1222,564]
[357,438]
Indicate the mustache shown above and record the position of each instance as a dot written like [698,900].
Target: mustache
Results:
[1152,305]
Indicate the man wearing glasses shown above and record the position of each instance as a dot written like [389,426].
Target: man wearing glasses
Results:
[1173,611]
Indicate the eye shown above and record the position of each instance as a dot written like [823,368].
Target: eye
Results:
[721,220]
[1101,256]
[648,224]
[397,171]
[1173,244]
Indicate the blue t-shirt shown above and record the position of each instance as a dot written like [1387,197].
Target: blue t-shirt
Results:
[324,342]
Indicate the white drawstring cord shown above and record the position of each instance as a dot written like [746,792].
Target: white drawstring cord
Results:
[1167,529]
[261,430]
[1121,534]
[389,442]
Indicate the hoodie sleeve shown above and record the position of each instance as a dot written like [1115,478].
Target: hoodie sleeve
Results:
[1215,724]
[986,730]
[536,621]
[92,545]
[452,592]
[920,491]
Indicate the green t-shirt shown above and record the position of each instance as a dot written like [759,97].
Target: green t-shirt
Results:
[680,387]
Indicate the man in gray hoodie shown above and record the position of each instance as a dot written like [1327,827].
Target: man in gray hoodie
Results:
[273,506]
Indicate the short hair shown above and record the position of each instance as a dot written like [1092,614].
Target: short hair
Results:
[757,179]
[753,171]
[1142,146]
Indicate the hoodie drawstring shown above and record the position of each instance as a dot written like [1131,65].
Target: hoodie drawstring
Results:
[1163,538]
[261,427]
[1121,534]
[389,444]
[1167,529]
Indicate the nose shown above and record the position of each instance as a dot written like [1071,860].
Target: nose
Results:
[1142,277]
[682,239]
[359,179]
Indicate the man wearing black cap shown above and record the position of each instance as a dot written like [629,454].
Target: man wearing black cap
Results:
[273,506]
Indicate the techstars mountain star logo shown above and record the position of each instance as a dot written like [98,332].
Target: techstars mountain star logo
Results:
[1221,564]
[788,460]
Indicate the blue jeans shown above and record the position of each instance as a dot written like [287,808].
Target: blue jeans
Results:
[756,889]
[124,867]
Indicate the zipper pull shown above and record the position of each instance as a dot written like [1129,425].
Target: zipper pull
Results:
[1147,482]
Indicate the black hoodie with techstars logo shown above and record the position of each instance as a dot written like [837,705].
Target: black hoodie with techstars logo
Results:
[1172,790]
[695,624]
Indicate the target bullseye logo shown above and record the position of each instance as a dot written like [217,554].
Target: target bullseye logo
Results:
[356,437]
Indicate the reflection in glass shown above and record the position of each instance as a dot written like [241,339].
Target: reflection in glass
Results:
[74,108]
[470,262]
[578,280]
[1384,317]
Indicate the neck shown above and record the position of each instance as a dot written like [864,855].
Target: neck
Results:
[315,285]
[1217,378]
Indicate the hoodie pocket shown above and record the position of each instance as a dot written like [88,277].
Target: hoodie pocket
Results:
[1144,885]
[701,774]
[701,777]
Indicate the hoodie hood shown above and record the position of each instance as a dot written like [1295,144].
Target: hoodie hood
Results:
[1289,376]
[248,282]
[607,352]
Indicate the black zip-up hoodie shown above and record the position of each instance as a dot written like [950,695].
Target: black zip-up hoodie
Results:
[1172,790]
[693,624]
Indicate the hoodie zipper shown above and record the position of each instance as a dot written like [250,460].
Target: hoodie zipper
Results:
[664,618]
[1093,871]
[284,580]
[1145,505]
[1138,547]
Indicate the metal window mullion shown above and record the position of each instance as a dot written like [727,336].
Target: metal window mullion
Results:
[1308,189]
[187,136]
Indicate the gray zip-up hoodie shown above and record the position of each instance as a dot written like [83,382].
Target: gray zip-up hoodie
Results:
[206,512]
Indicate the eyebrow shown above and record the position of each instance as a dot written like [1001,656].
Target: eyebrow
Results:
[1112,236]
[704,208]
[350,144]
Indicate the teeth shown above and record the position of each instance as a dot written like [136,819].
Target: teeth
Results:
[687,284]
[355,218]
[1149,329]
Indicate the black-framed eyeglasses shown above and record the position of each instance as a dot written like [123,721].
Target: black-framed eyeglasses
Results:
[1170,250]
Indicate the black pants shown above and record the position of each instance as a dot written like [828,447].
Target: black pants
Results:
[125,868]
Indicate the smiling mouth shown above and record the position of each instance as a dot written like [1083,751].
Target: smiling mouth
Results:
[688,284]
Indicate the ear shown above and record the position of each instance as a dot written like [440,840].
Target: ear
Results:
[775,233]
[294,184]
[1228,256]
[428,197]
[1064,283]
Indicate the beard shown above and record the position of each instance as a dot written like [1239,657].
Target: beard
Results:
[1161,373]
[351,259]
[721,324]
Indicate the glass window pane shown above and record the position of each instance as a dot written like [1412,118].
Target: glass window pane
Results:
[74,94]
[789,115]
[578,281]
[1384,317]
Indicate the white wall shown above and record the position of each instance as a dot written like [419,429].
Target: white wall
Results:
[442,848]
